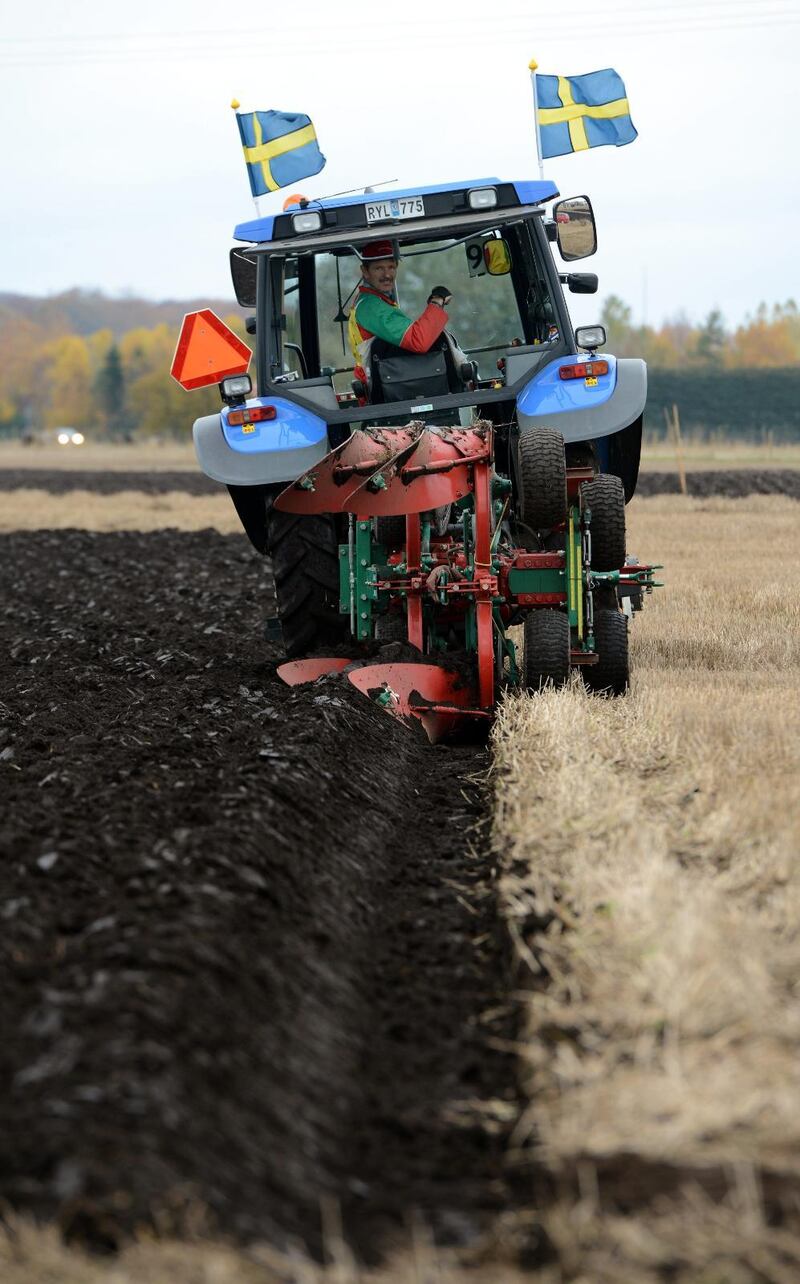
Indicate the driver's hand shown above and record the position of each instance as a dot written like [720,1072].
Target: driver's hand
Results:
[440,294]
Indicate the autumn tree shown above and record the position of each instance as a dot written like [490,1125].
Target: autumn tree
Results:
[68,383]
[711,339]
[109,393]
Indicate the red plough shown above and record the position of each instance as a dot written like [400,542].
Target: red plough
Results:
[454,575]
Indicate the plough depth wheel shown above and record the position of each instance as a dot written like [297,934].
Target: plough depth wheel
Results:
[604,496]
[611,675]
[546,649]
[543,478]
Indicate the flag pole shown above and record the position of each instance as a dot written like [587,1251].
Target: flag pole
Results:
[533,64]
[235,104]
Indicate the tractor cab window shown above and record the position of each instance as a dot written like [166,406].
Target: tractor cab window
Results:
[501,298]
[484,315]
[290,324]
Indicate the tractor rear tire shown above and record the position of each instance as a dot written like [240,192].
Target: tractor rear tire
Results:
[611,675]
[305,566]
[545,656]
[604,495]
[542,478]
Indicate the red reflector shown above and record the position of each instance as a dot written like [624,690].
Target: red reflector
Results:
[583,370]
[252,416]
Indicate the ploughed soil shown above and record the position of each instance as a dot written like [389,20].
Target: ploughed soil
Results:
[733,483]
[249,945]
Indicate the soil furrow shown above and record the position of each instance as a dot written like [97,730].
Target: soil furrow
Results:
[248,940]
[734,483]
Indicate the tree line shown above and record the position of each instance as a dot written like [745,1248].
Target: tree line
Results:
[57,370]
[110,387]
[767,339]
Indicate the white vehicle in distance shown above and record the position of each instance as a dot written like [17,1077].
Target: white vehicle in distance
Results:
[69,437]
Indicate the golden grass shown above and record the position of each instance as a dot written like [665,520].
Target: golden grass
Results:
[137,456]
[652,890]
[659,456]
[31,1254]
[31,509]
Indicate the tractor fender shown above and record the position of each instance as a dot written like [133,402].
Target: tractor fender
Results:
[582,412]
[261,453]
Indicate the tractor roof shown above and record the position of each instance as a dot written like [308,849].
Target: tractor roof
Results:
[381,212]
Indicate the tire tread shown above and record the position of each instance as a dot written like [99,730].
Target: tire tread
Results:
[543,478]
[546,651]
[605,496]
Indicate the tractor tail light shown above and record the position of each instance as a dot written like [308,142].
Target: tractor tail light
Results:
[584,370]
[253,415]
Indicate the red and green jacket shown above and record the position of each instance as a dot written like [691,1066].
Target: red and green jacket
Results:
[377,316]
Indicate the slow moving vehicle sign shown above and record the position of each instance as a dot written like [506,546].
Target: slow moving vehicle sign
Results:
[208,351]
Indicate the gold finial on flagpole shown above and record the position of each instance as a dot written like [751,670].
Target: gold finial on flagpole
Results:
[533,64]
[235,103]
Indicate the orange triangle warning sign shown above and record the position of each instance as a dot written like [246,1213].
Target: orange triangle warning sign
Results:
[207,351]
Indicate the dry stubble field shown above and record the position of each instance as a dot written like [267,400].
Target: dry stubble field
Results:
[647,850]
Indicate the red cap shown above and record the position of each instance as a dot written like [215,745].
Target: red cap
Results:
[378,250]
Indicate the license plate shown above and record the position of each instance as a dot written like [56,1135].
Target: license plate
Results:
[397,207]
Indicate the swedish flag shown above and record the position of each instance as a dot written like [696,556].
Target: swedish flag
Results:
[578,112]
[279,148]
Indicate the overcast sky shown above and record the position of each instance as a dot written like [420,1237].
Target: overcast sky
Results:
[122,167]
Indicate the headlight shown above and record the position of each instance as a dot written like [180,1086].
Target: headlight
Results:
[236,386]
[63,439]
[307,222]
[482,198]
[590,337]
[78,439]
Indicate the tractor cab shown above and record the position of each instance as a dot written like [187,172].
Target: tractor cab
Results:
[510,353]
[436,497]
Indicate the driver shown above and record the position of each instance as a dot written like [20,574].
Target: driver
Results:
[376,314]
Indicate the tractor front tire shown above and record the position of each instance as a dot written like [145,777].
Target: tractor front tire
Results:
[305,566]
[546,649]
[604,496]
[542,478]
[611,675]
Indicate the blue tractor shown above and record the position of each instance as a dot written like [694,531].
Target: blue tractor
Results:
[439,498]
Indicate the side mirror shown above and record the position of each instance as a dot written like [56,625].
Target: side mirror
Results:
[590,337]
[243,275]
[582,282]
[250,324]
[575,228]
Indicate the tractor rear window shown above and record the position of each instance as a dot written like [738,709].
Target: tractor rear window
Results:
[500,299]
[484,314]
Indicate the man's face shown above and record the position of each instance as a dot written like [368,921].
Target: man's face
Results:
[381,275]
